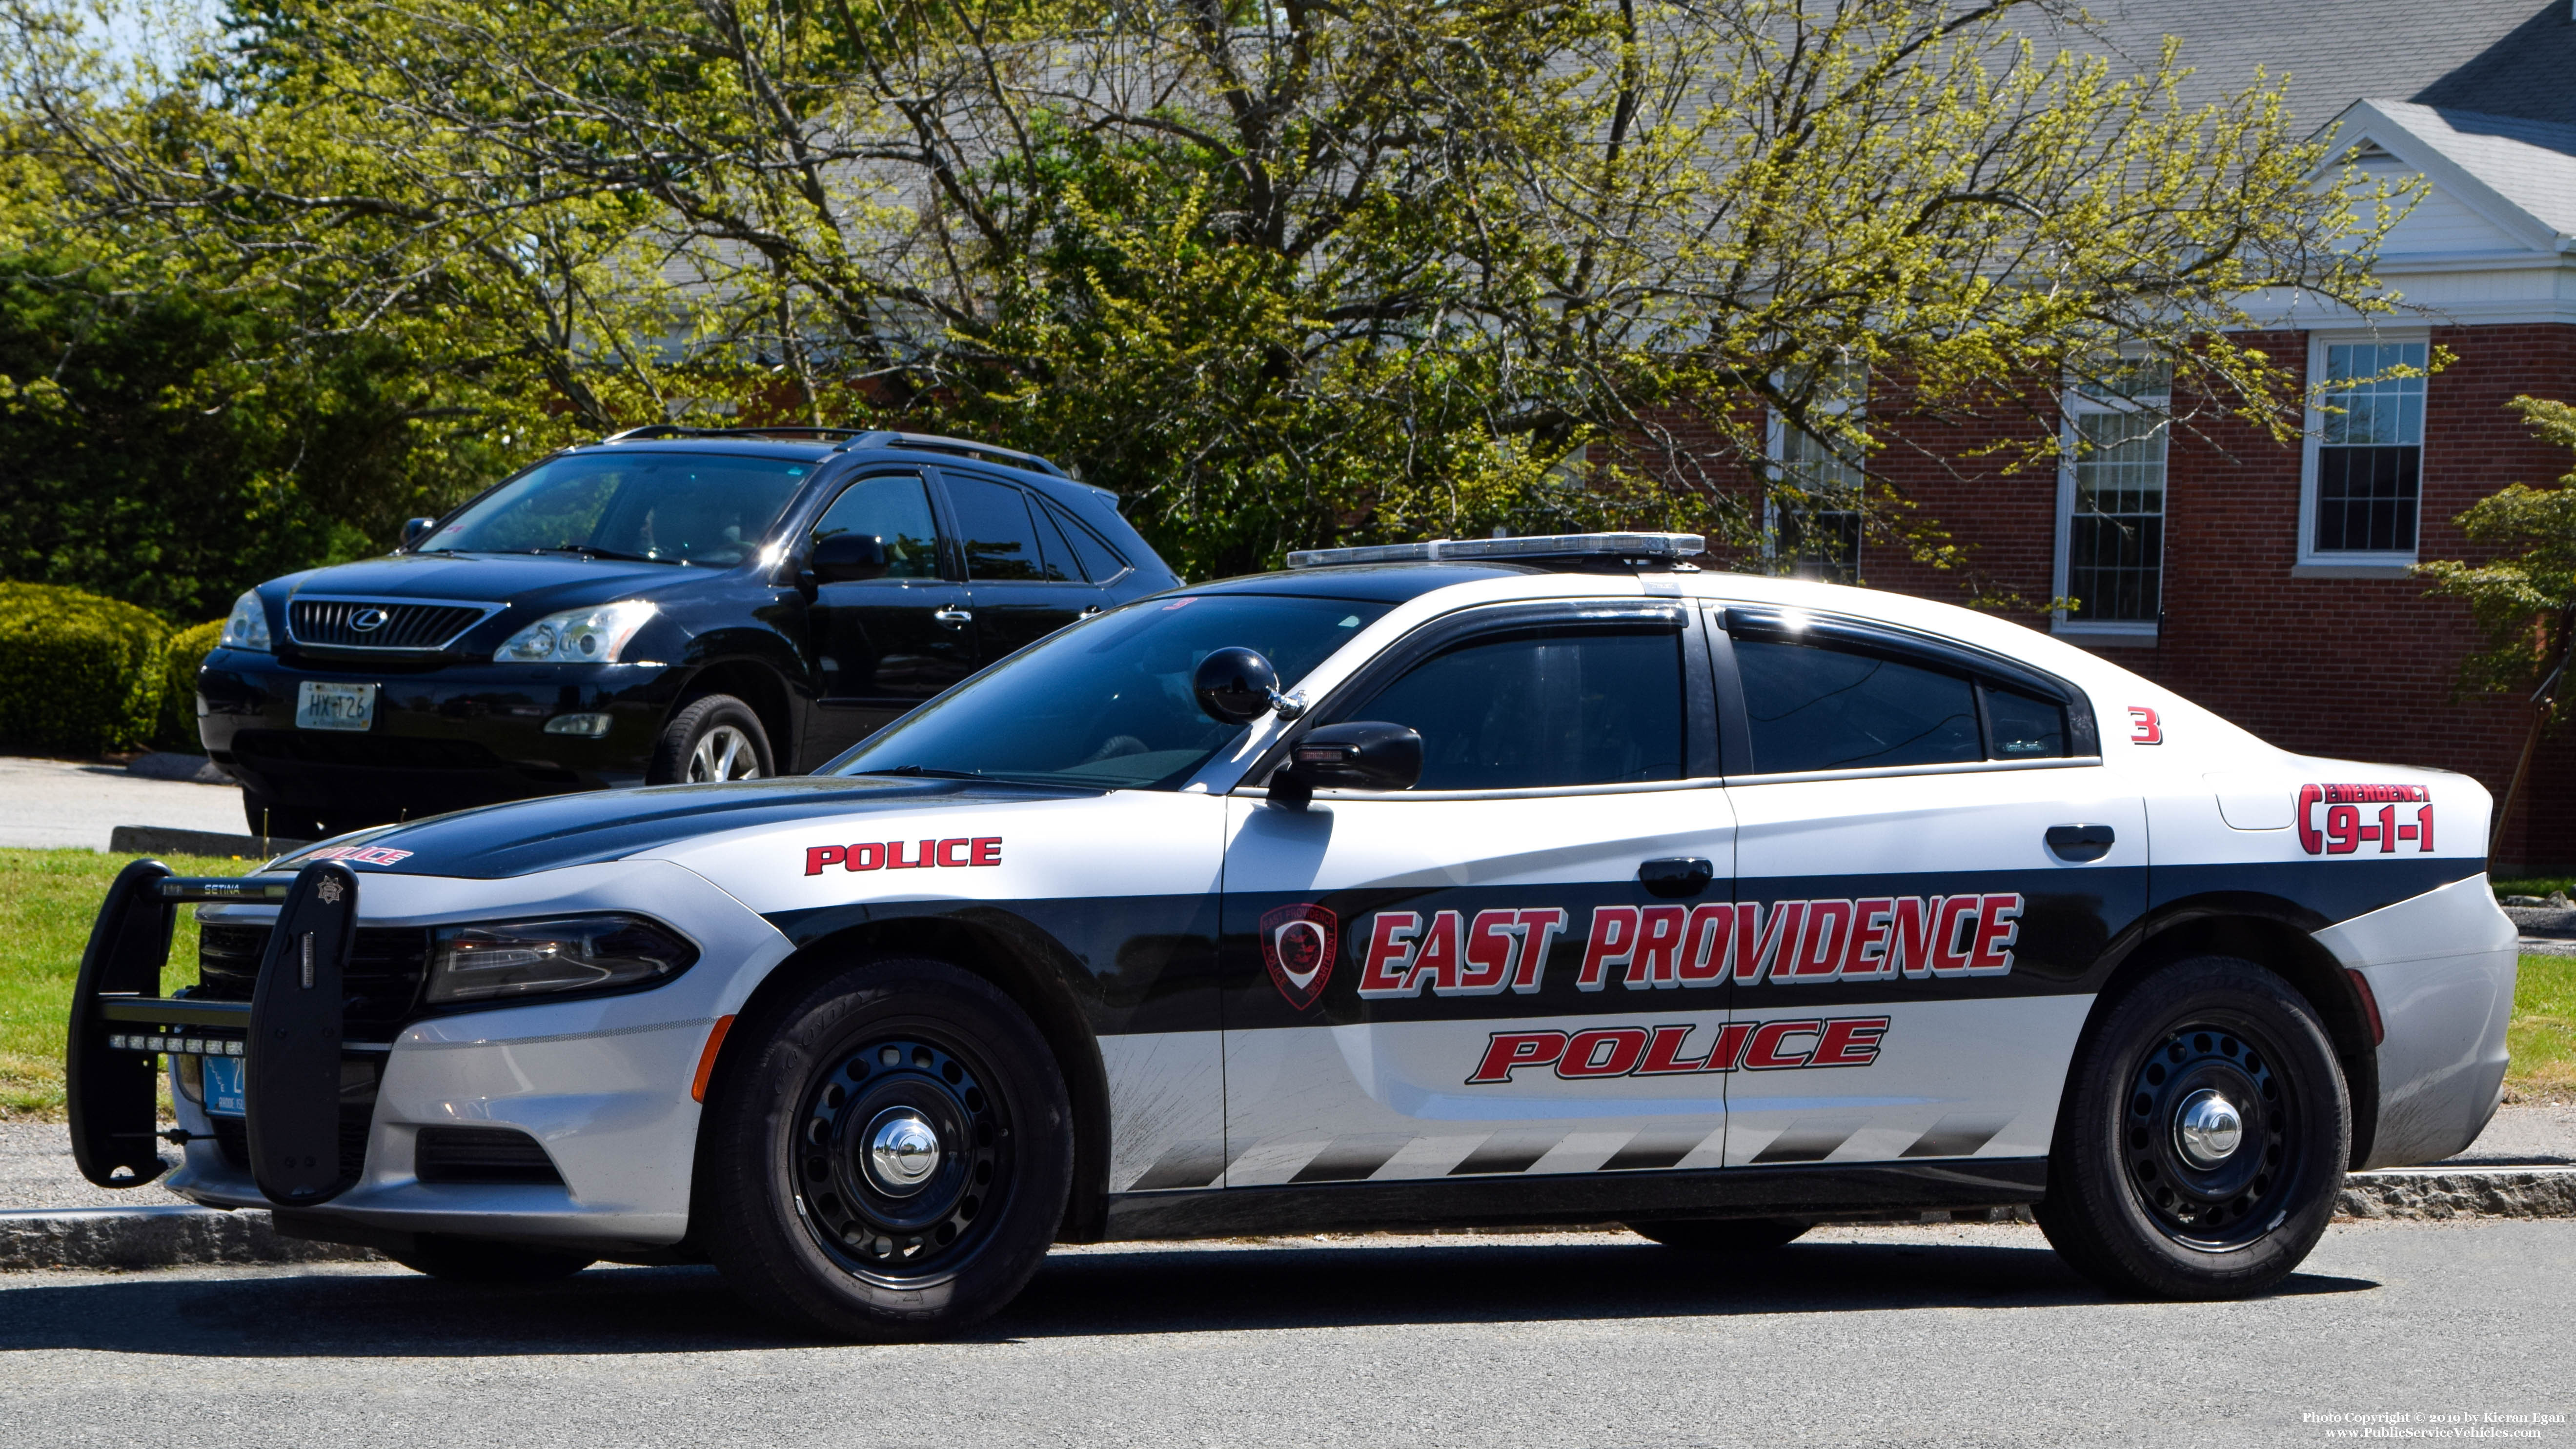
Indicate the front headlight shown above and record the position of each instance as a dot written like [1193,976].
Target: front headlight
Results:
[574,953]
[247,626]
[576,636]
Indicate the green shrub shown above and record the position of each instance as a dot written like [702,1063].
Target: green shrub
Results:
[187,649]
[84,673]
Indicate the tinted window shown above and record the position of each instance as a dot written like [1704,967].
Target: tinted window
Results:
[1001,543]
[2024,727]
[1099,561]
[681,507]
[1828,709]
[1107,701]
[1559,706]
[895,509]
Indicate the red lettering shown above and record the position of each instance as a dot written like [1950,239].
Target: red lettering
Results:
[1705,936]
[1993,956]
[1865,954]
[952,852]
[2343,829]
[1510,1050]
[1436,960]
[1663,1054]
[988,851]
[1958,915]
[1728,1046]
[819,856]
[1659,940]
[2309,839]
[2424,820]
[1603,1052]
[1539,929]
[1390,943]
[1757,945]
[895,860]
[1764,1053]
[1850,1041]
[1909,936]
[1488,952]
[870,856]
[1820,945]
[1614,939]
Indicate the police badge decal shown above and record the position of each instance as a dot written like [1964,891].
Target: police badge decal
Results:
[1297,944]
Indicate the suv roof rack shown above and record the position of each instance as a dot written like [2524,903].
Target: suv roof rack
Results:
[1637,550]
[849,438]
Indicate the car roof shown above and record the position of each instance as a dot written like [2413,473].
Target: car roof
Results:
[1393,583]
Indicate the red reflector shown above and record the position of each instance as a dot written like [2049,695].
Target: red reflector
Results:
[715,1040]
[2369,1005]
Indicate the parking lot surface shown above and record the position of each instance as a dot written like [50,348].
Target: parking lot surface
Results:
[1955,1335]
[55,803]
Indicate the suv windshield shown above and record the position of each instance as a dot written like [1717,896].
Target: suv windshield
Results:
[1107,702]
[693,508]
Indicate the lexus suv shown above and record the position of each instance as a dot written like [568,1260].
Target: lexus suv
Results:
[669,604]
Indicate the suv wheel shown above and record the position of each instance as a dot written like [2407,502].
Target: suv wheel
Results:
[890,1157]
[2204,1137]
[711,739]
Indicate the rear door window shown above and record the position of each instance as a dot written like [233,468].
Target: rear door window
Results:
[1816,708]
[1001,539]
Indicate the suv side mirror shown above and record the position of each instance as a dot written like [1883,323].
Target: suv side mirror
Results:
[847,556]
[1235,685]
[416,529]
[1360,755]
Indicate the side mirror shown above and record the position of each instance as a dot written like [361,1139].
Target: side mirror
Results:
[847,556]
[416,529]
[1235,685]
[1360,755]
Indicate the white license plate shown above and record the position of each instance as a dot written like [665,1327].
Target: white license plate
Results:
[321,706]
[224,1096]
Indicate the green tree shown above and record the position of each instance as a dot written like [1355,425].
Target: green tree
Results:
[2524,596]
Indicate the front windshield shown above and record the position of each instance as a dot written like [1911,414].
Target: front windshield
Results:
[1107,702]
[693,508]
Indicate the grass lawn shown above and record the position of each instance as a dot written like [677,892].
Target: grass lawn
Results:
[49,897]
[47,900]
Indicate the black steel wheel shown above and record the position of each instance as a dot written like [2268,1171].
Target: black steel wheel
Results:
[887,1155]
[1725,1235]
[2203,1138]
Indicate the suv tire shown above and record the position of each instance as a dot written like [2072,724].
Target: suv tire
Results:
[887,1155]
[2203,1139]
[713,737]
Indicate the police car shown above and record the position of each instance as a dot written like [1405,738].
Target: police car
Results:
[1504,881]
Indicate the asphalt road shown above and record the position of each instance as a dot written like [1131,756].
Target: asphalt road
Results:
[71,802]
[1954,1335]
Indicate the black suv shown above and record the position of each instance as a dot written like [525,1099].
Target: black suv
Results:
[670,604]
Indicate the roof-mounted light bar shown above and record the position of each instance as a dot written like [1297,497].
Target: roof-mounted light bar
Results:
[1666,547]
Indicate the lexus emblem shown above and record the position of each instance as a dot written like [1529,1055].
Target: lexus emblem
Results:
[368,620]
[1297,944]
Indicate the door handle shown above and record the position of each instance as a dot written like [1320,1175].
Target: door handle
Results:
[2080,842]
[954,617]
[1677,877]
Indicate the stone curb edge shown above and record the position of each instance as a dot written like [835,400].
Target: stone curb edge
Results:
[165,1237]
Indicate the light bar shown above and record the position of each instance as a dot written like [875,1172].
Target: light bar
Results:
[1551,545]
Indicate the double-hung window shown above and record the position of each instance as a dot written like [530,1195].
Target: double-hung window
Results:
[1812,519]
[2111,498]
[2363,484]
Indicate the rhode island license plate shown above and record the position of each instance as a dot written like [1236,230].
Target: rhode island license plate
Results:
[324,706]
[224,1086]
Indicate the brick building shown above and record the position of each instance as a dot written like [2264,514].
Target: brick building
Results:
[2270,582]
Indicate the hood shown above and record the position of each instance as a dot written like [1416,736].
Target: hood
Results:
[543,582]
[527,836]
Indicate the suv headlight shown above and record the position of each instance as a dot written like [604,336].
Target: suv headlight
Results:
[246,627]
[501,959]
[576,636]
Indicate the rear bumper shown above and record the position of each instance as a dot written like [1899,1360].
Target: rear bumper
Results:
[442,739]
[2441,967]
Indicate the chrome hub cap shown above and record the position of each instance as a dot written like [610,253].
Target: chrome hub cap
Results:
[902,1151]
[2208,1130]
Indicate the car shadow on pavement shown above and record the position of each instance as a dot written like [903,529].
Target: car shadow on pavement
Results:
[1139,1290]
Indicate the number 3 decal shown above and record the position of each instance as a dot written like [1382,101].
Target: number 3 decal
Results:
[2144,729]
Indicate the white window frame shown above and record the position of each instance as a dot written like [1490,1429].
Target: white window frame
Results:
[1775,447]
[2355,563]
[2072,401]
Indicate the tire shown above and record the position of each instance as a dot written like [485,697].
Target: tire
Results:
[711,738]
[480,1260]
[1724,1235]
[2145,1207]
[812,1226]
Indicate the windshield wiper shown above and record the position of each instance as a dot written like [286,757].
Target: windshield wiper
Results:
[593,551]
[924,771]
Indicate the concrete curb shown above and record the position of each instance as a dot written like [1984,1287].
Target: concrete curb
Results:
[152,1237]
[2439,1192]
[155,840]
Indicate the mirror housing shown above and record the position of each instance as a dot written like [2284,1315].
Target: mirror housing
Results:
[1235,685]
[1359,755]
[846,557]
[416,529]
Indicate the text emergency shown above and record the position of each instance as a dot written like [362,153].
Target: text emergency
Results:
[2331,818]
[889,854]
[1664,1051]
[1876,938]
